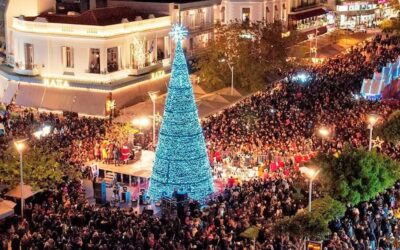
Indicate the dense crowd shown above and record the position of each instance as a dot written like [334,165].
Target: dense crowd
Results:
[282,121]
[65,220]
[285,121]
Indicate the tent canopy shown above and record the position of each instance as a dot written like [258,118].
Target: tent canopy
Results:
[26,192]
[6,208]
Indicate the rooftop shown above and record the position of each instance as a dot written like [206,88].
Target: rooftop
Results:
[96,17]
[161,1]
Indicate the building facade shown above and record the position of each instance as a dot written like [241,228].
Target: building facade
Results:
[253,10]
[115,53]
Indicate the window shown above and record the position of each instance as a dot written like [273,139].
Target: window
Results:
[28,56]
[68,57]
[94,61]
[284,6]
[223,14]
[112,59]
[245,15]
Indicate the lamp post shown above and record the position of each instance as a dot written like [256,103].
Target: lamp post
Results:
[153,97]
[20,146]
[311,174]
[372,120]
[231,68]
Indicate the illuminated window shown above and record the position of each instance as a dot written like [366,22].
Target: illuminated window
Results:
[68,57]
[112,59]
[94,61]
[245,15]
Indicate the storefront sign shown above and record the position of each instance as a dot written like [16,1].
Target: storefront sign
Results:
[157,75]
[55,83]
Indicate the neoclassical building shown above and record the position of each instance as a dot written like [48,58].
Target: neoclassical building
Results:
[118,52]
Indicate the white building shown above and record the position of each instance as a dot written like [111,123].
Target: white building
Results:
[254,10]
[101,50]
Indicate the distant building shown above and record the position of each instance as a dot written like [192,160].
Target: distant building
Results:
[254,10]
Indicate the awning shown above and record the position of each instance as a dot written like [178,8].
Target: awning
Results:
[25,194]
[9,92]
[83,101]
[6,208]
[307,14]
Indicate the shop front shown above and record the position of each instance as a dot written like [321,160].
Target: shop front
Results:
[353,15]
[307,20]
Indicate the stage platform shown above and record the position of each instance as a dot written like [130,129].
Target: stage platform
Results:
[141,168]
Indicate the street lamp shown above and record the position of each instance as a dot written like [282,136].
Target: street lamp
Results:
[311,174]
[231,68]
[323,132]
[20,146]
[140,122]
[372,120]
[153,97]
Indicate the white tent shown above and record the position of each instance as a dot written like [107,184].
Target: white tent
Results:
[26,192]
[6,208]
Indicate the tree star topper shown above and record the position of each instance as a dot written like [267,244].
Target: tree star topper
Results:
[377,143]
[178,32]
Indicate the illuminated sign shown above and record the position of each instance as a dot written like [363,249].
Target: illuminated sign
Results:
[55,83]
[157,75]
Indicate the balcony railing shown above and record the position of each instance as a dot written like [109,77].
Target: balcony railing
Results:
[27,70]
[89,30]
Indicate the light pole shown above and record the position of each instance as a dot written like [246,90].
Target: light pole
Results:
[310,37]
[311,174]
[153,97]
[231,68]
[20,146]
[372,120]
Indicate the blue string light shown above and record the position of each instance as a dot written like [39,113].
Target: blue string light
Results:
[181,161]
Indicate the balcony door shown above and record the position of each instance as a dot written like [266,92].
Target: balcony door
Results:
[28,56]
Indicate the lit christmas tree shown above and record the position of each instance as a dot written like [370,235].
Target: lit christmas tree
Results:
[181,161]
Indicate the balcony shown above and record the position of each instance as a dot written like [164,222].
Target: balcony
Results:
[27,70]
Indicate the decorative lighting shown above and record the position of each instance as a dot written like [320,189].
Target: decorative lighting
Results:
[45,131]
[139,52]
[324,132]
[377,143]
[181,161]
[178,32]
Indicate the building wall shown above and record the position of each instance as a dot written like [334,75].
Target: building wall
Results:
[27,8]
[48,52]
[269,11]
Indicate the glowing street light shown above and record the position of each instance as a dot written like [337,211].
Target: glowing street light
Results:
[323,132]
[20,146]
[372,119]
[311,174]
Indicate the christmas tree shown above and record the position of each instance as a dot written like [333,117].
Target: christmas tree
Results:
[181,162]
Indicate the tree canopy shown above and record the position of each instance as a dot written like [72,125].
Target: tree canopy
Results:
[357,175]
[256,52]
[314,225]
[390,129]
[41,168]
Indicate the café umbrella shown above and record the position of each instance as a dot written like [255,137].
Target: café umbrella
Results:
[6,208]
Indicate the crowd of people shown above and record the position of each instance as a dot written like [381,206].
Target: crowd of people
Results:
[285,121]
[280,121]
